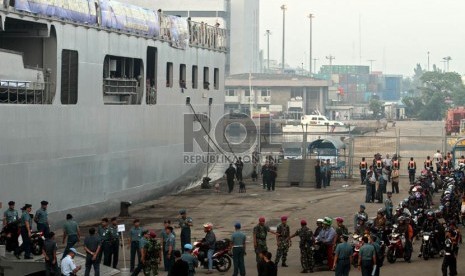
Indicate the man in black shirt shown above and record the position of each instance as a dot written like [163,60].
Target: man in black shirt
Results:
[50,252]
[92,247]
[180,267]
[271,269]
[230,174]
[261,265]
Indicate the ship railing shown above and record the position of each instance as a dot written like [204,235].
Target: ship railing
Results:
[120,90]
[23,92]
[199,34]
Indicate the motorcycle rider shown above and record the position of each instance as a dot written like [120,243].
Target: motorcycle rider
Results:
[406,229]
[210,240]
[432,225]
[319,226]
[360,226]
[362,213]
[326,237]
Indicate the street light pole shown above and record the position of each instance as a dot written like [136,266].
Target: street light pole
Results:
[314,64]
[330,58]
[283,8]
[268,33]
[428,61]
[310,16]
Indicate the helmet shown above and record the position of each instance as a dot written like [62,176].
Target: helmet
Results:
[328,221]
[381,211]
[303,222]
[430,214]
[319,221]
[188,246]
[362,217]
[370,223]
[339,219]
[412,197]
[401,218]
[208,226]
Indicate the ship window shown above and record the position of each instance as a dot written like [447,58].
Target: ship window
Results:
[151,79]
[122,80]
[69,77]
[182,76]
[169,74]
[216,78]
[247,93]
[206,78]
[195,77]
[231,92]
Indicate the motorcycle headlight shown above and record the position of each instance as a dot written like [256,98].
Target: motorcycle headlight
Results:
[426,238]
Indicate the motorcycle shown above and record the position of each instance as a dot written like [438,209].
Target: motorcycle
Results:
[319,254]
[222,260]
[428,250]
[37,242]
[356,244]
[396,247]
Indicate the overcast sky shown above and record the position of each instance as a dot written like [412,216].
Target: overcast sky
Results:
[396,33]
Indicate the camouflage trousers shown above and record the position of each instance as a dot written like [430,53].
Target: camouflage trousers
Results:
[306,258]
[261,246]
[283,248]
[151,268]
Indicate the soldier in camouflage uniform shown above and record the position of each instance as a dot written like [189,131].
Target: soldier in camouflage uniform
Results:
[340,230]
[153,255]
[306,241]
[260,231]
[283,242]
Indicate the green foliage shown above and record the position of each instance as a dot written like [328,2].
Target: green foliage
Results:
[435,93]
[376,106]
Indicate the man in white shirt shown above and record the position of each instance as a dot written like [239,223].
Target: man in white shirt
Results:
[68,267]
[437,159]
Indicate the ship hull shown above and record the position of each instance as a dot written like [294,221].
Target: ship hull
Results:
[87,157]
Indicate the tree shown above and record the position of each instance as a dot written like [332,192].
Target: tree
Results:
[376,106]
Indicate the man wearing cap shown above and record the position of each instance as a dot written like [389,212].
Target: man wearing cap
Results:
[238,248]
[153,255]
[41,218]
[283,232]
[10,224]
[92,248]
[190,259]
[343,257]
[135,234]
[68,267]
[361,212]
[185,223]
[105,232]
[340,230]
[319,227]
[260,231]
[327,237]
[25,226]
[305,245]
[169,246]
[71,234]
[143,250]
[115,242]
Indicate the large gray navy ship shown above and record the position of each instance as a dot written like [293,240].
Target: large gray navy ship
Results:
[93,95]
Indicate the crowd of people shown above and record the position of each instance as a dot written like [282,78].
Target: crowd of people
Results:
[417,214]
